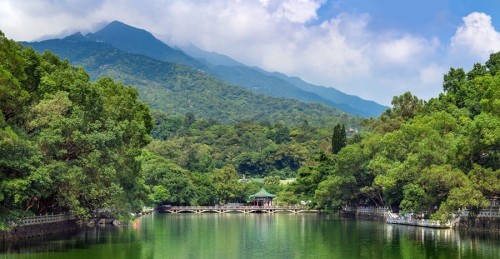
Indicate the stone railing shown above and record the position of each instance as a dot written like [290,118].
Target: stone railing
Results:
[492,212]
[394,218]
[415,222]
[367,210]
[35,220]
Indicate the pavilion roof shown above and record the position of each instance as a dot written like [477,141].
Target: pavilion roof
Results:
[262,194]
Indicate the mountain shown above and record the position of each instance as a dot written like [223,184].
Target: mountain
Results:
[134,40]
[240,74]
[139,41]
[211,58]
[180,89]
[345,102]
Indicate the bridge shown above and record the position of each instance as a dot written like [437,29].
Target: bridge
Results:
[239,209]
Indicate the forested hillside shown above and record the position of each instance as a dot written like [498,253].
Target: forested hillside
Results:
[138,41]
[430,157]
[72,144]
[178,89]
[198,162]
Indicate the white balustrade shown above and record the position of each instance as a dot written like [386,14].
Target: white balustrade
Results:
[35,220]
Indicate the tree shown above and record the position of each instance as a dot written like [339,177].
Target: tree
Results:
[12,96]
[204,189]
[189,119]
[477,70]
[280,133]
[272,184]
[67,144]
[406,105]
[493,63]
[335,191]
[415,199]
[339,138]
[169,183]
[226,183]
[454,81]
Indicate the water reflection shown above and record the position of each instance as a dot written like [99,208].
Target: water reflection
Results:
[258,236]
[435,242]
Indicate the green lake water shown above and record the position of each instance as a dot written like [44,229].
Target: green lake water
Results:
[258,236]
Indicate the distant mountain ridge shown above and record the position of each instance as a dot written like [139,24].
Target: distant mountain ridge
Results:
[142,42]
[344,101]
[212,58]
[179,89]
[139,41]
[227,68]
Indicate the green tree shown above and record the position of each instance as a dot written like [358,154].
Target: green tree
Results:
[204,189]
[339,139]
[12,96]
[493,63]
[226,183]
[169,183]
[73,142]
[406,105]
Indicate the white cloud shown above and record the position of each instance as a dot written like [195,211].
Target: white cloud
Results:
[299,11]
[277,35]
[32,19]
[476,37]
[264,3]
[404,50]
[432,74]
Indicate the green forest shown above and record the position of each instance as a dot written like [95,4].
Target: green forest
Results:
[72,144]
[179,89]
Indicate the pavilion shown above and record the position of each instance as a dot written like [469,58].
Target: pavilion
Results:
[262,198]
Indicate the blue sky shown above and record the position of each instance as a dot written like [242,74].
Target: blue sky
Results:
[426,17]
[375,49]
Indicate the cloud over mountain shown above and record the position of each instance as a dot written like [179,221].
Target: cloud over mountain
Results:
[342,49]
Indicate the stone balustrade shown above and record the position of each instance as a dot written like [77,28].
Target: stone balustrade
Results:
[44,219]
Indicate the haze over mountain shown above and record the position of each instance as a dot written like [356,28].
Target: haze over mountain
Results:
[139,41]
[372,49]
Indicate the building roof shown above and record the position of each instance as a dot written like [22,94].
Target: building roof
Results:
[262,194]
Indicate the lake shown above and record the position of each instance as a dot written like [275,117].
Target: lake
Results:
[259,236]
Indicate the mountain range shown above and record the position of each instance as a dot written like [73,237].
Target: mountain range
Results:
[117,48]
[179,89]
[278,84]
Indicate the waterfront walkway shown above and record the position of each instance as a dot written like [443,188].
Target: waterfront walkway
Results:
[395,218]
[424,222]
[240,209]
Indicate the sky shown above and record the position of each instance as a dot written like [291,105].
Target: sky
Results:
[375,49]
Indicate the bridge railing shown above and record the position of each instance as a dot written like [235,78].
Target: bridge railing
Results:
[238,208]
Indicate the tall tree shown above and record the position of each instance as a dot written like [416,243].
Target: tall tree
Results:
[339,138]
[493,63]
[226,183]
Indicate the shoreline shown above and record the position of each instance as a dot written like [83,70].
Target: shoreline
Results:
[35,231]
[39,230]
[483,224]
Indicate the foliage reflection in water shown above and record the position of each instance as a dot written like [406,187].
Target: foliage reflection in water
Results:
[259,236]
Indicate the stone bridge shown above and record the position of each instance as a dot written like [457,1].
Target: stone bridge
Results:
[240,209]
